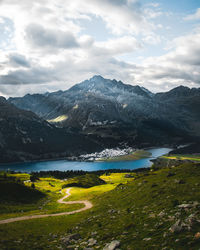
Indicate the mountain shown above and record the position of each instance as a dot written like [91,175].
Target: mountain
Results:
[185,104]
[96,92]
[112,112]
[25,136]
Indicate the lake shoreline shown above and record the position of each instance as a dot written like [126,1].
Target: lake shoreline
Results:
[96,158]
[75,158]
[64,165]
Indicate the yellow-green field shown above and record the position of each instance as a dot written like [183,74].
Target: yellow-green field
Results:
[117,178]
[89,193]
[183,157]
[53,190]
[51,187]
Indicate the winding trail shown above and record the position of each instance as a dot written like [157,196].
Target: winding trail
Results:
[87,206]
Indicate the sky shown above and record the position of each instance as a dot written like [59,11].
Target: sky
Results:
[50,45]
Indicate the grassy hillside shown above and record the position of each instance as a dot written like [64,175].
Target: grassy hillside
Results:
[189,157]
[141,213]
[158,209]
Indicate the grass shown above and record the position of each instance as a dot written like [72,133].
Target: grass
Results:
[195,157]
[130,210]
[14,195]
[89,193]
[124,212]
[14,192]
[118,178]
[20,176]
[23,200]
[139,154]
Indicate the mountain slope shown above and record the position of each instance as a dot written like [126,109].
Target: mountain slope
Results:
[97,91]
[112,112]
[186,101]
[25,136]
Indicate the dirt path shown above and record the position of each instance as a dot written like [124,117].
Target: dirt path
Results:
[87,204]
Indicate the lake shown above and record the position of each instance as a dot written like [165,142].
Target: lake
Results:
[64,165]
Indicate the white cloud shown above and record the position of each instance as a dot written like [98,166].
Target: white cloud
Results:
[116,46]
[195,16]
[152,39]
[120,16]
[180,66]
[151,13]
[154,5]
[2,20]
[51,48]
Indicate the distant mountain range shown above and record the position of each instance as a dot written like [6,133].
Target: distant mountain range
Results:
[99,113]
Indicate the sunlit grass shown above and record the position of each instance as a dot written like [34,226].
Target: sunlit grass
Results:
[183,157]
[117,177]
[48,184]
[76,106]
[60,118]
[89,193]
[51,187]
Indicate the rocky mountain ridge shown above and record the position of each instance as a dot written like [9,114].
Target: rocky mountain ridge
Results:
[112,112]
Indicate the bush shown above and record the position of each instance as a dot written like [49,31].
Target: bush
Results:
[33,178]
[85,181]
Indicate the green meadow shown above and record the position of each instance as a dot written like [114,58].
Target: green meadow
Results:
[190,157]
[138,210]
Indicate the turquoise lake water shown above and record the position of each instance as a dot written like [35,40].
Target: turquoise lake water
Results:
[64,165]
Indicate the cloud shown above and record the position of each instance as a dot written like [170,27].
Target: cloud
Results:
[152,39]
[2,21]
[195,16]
[48,38]
[116,46]
[154,4]
[30,76]
[53,45]
[17,60]
[120,16]
[62,75]
[180,66]
[151,13]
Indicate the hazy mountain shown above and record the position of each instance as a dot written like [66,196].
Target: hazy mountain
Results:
[112,112]
[25,136]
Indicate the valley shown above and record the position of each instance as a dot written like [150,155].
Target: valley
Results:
[99,125]
[100,166]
